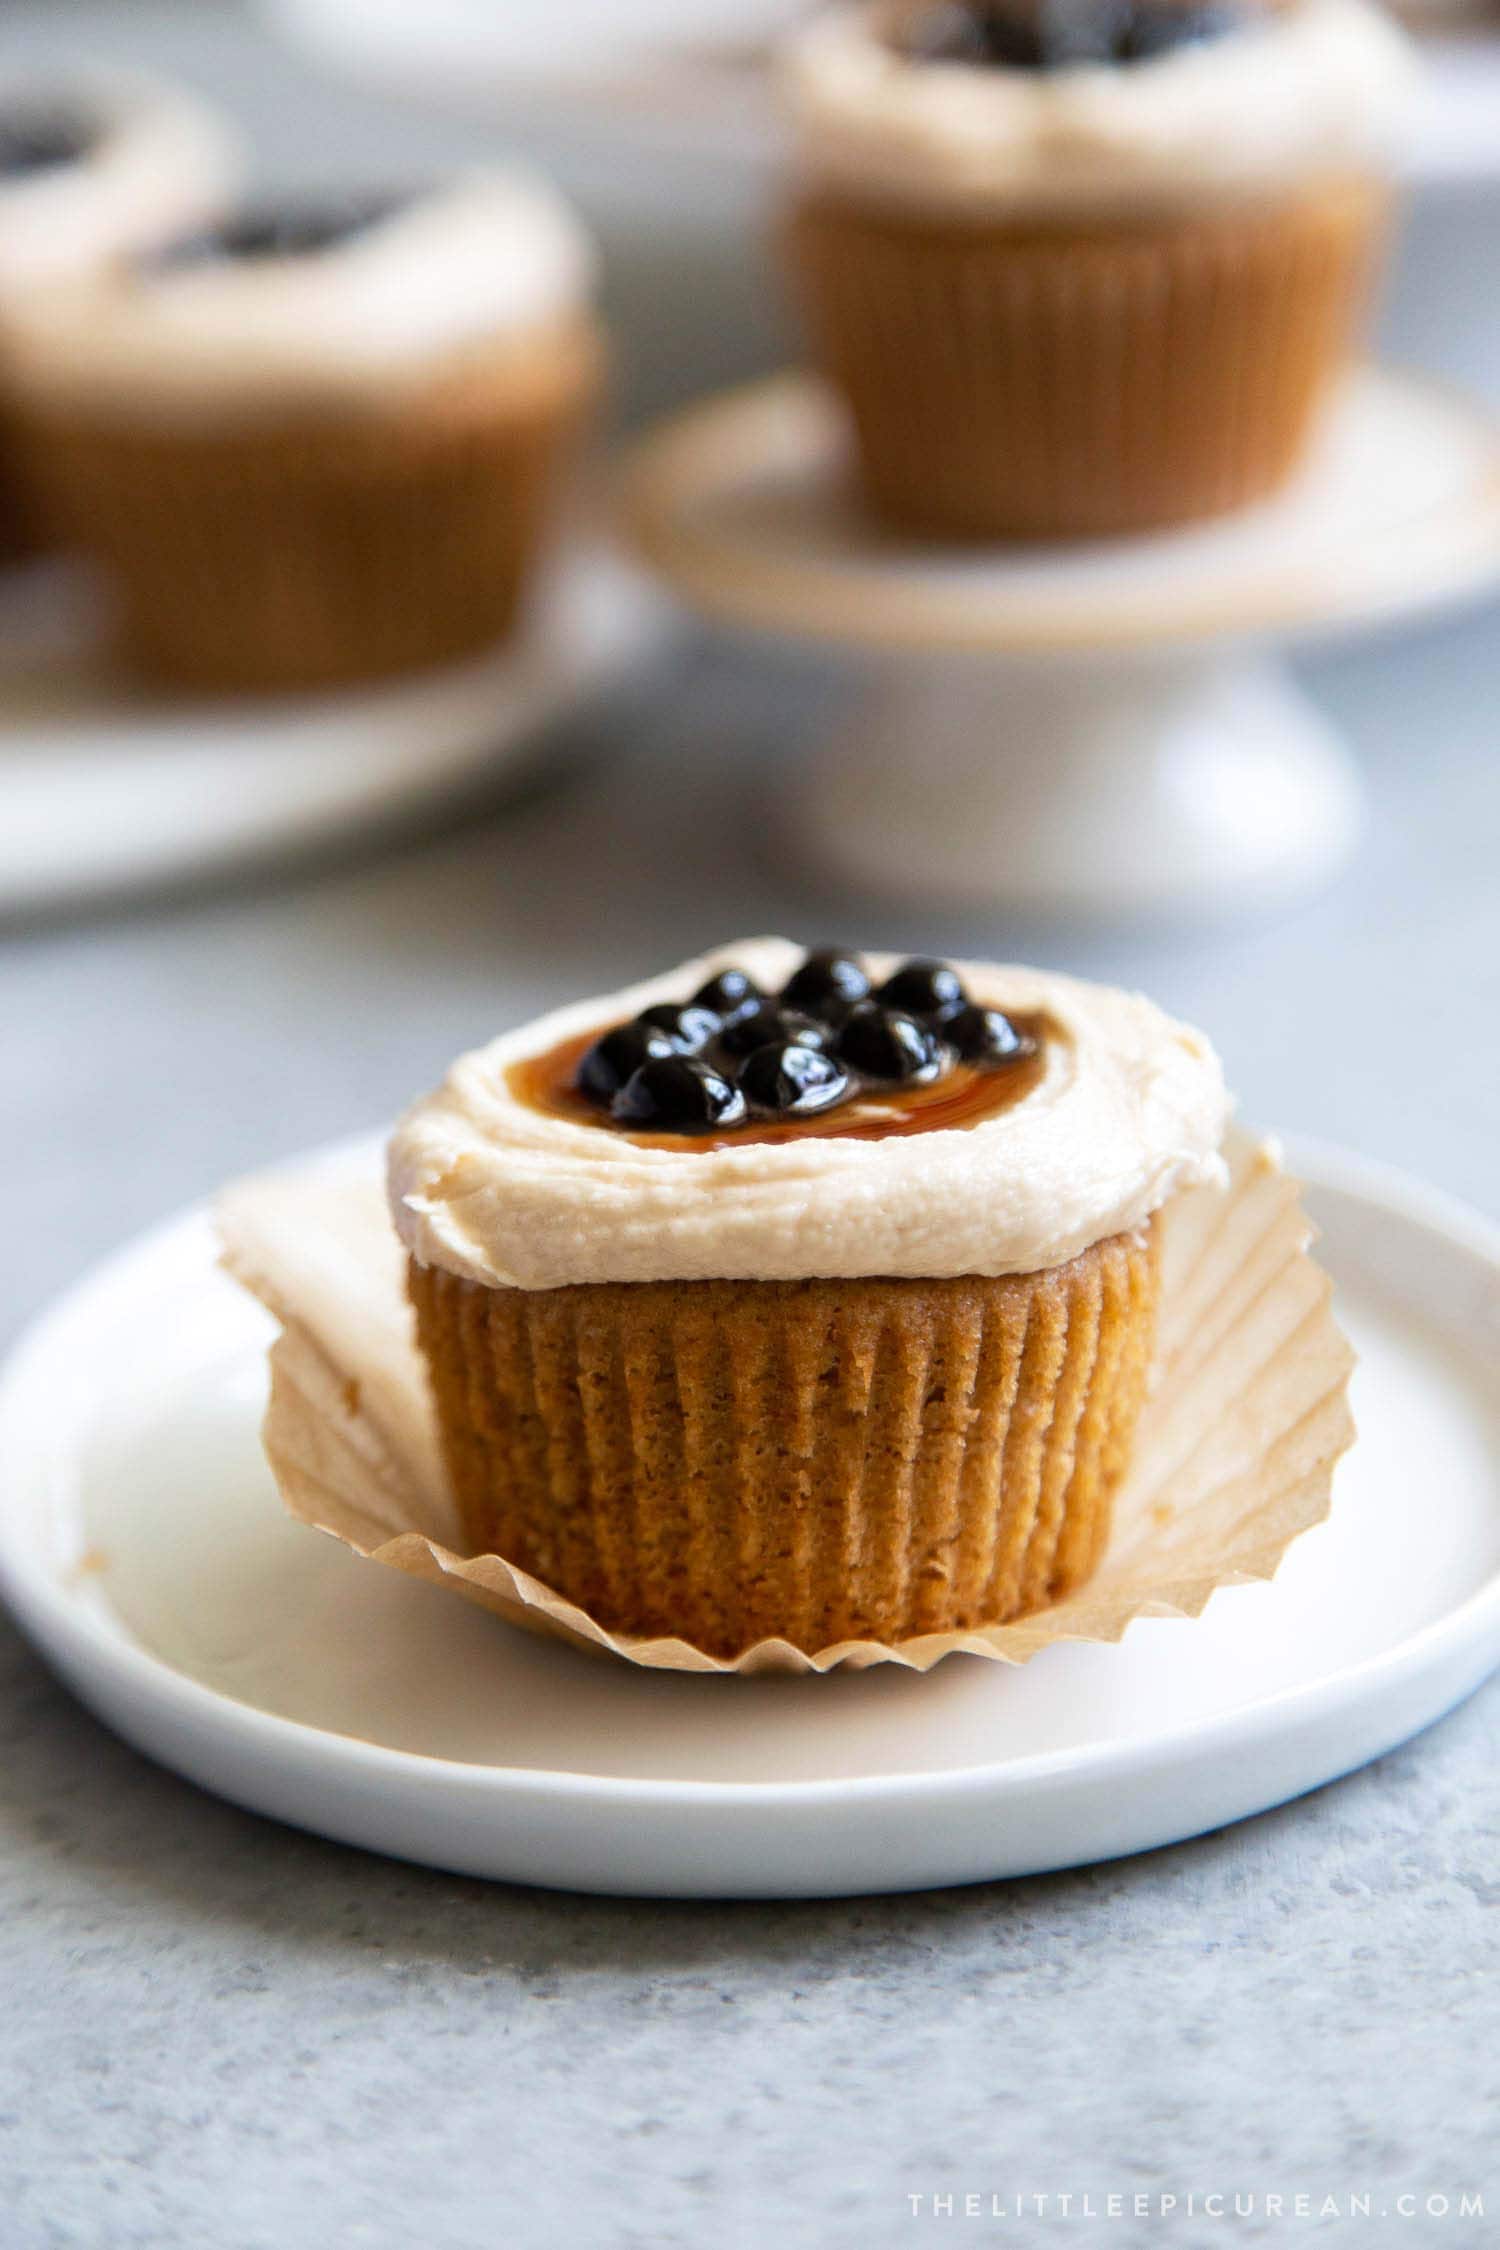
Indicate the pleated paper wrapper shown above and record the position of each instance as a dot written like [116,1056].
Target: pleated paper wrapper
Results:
[1247,1416]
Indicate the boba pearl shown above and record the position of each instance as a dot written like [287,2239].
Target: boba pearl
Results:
[689,1028]
[928,990]
[828,983]
[618,1056]
[790,1080]
[986,1036]
[770,1026]
[678,1094]
[729,995]
[882,1043]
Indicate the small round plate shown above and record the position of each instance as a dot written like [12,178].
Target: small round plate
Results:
[143,1548]
[108,790]
[746,504]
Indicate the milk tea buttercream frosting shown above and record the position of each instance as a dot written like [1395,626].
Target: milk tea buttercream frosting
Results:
[1301,90]
[452,269]
[109,162]
[1128,1107]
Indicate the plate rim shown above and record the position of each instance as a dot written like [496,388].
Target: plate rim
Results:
[67,1634]
[445,731]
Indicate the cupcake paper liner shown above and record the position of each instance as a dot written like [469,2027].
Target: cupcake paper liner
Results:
[1067,380]
[321,545]
[818,1461]
[1233,1457]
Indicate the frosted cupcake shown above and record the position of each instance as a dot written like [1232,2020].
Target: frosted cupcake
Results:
[1082,269]
[318,446]
[94,167]
[802,1297]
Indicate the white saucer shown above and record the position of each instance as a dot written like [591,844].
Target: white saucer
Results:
[143,1548]
[107,790]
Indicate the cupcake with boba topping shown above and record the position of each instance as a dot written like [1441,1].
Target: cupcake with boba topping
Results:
[802,1297]
[95,167]
[315,446]
[1087,269]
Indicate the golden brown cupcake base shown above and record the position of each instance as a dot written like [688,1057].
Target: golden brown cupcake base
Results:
[1061,381]
[815,1461]
[327,545]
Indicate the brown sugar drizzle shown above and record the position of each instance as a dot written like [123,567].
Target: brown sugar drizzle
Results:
[966,1094]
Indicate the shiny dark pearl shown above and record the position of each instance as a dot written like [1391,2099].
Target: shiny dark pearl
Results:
[618,1056]
[882,1043]
[928,990]
[689,1028]
[678,1094]
[770,1026]
[985,1035]
[827,984]
[791,1080]
[728,995]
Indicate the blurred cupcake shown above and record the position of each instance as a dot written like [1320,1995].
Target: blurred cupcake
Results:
[319,446]
[1086,267]
[803,1297]
[94,167]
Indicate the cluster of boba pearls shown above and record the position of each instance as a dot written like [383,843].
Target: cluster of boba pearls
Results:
[1059,34]
[734,1053]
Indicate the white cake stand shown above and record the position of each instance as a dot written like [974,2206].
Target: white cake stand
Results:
[1100,727]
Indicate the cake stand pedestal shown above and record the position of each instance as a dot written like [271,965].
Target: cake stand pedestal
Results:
[1098,727]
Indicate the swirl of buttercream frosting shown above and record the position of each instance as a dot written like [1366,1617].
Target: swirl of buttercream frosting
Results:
[154,159]
[464,266]
[1130,1107]
[1305,89]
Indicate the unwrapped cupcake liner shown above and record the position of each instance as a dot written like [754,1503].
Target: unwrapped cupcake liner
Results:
[323,544]
[1234,1455]
[1069,381]
[821,1460]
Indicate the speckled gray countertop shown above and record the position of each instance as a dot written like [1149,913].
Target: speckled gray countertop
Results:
[220,2034]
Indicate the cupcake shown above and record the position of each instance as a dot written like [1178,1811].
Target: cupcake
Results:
[318,446]
[1083,270]
[94,168]
[801,1297]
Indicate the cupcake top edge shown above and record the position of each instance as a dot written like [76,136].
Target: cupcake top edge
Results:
[312,300]
[1124,1107]
[1303,90]
[138,159]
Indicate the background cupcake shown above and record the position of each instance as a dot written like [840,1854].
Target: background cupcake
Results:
[94,167]
[749,1341]
[1086,269]
[316,446]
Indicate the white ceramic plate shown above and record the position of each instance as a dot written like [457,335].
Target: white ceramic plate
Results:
[107,790]
[143,1548]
